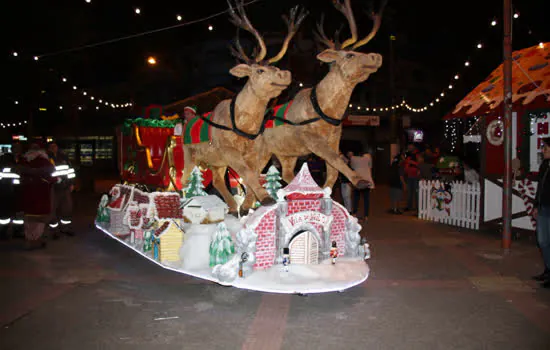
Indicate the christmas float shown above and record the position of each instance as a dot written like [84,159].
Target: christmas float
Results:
[294,239]
[305,243]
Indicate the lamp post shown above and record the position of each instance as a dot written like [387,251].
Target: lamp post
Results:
[507,104]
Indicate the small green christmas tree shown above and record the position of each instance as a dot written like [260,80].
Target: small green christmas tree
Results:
[221,247]
[195,187]
[272,184]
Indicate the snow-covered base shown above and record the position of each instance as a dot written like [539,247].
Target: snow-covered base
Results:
[299,279]
[307,279]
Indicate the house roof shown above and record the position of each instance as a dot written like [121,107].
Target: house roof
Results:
[530,85]
[159,231]
[206,202]
[205,101]
[303,183]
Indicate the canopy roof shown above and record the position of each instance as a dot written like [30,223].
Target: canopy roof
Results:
[530,85]
[205,102]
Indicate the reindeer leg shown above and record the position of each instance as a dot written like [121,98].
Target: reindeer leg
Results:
[320,148]
[250,177]
[257,164]
[332,175]
[188,165]
[288,164]
[218,180]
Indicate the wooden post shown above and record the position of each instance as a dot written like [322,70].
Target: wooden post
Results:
[507,102]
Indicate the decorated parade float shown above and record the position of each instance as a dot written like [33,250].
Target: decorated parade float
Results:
[473,205]
[261,236]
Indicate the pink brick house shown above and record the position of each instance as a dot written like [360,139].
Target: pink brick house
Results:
[305,220]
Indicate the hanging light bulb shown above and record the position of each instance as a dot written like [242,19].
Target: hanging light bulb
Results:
[79,108]
[35,58]
[516,15]
[479,46]
[456,77]
[179,18]
[493,23]
[350,105]
[450,87]
[15,54]
[84,93]
[210,28]
[541,45]
[467,63]
[137,11]
[74,87]
[64,79]
[60,107]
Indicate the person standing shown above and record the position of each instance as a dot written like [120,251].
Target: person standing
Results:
[397,183]
[345,185]
[425,169]
[8,182]
[470,175]
[542,213]
[363,167]
[62,195]
[36,191]
[412,173]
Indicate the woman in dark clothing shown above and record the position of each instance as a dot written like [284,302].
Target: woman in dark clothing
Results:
[397,183]
[542,213]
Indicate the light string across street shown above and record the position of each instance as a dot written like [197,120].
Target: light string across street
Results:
[438,98]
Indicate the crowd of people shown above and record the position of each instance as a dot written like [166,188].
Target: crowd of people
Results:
[406,171]
[36,194]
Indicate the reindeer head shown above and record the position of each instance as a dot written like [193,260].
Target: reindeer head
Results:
[265,80]
[353,66]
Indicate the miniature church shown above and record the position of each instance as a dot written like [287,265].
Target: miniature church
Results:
[306,221]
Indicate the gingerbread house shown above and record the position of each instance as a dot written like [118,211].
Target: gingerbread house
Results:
[305,220]
[120,198]
[167,241]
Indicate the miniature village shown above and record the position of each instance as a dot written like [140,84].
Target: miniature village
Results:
[305,243]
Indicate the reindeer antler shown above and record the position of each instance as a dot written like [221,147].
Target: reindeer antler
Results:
[293,21]
[238,52]
[377,19]
[346,9]
[240,19]
[321,36]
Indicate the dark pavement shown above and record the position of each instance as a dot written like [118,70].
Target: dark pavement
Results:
[432,287]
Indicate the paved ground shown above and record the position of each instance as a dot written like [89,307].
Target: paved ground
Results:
[432,287]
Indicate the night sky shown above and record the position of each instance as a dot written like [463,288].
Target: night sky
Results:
[434,37]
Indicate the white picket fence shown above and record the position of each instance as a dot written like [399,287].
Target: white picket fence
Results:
[456,203]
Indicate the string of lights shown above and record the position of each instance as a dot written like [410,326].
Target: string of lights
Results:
[444,93]
[101,102]
[138,12]
[13,124]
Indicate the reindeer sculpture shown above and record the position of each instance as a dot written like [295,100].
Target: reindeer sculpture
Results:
[237,122]
[313,119]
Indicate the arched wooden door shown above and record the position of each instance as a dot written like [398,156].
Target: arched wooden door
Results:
[304,248]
